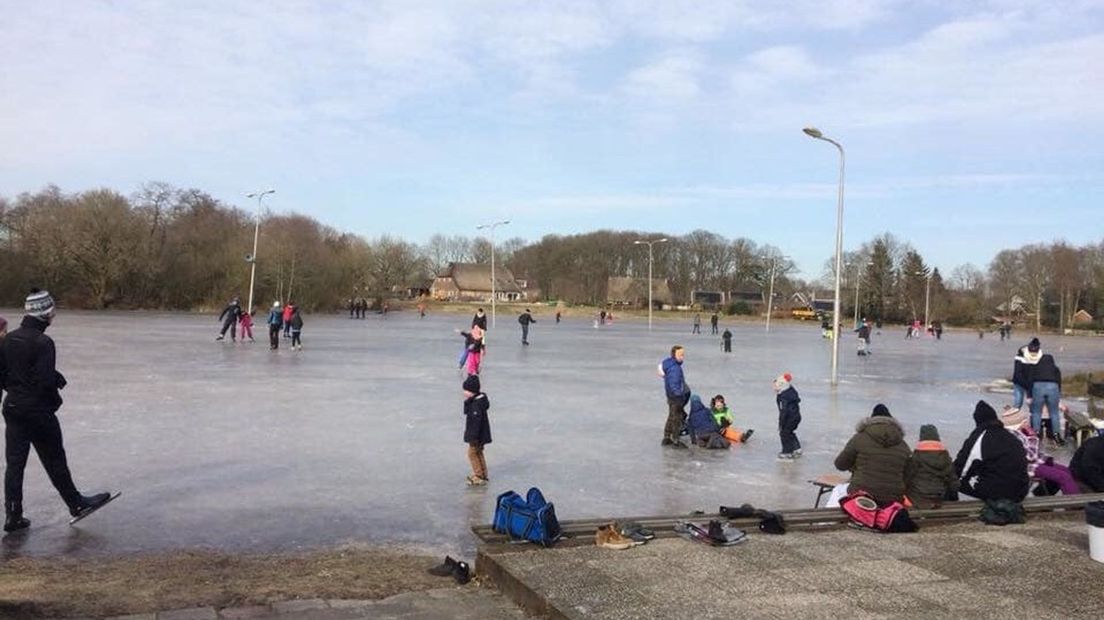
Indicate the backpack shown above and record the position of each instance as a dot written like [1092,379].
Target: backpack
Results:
[531,518]
[866,513]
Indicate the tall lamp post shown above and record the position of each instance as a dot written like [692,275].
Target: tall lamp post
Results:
[256,232]
[858,284]
[927,295]
[770,295]
[813,132]
[492,226]
[649,244]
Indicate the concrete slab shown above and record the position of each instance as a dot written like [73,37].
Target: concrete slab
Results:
[947,571]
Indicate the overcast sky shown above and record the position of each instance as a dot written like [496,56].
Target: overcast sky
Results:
[969,126]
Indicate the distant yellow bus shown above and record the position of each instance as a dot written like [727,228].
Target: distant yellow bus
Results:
[803,314]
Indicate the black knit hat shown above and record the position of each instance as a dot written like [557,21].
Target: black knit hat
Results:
[880,410]
[983,413]
[471,384]
[928,432]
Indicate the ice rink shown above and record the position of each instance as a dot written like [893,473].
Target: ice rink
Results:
[358,438]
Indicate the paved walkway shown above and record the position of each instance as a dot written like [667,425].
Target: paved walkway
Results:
[1038,570]
[470,602]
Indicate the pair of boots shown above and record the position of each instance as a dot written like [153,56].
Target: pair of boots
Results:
[13,510]
[457,569]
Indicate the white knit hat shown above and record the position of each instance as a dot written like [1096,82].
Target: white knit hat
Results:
[39,304]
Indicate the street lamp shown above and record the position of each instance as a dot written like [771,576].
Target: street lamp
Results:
[256,232]
[858,284]
[649,244]
[813,132]
[770,295]
[492,226]
[927,295]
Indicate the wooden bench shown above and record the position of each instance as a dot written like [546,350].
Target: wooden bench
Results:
[663,526]
[825,484]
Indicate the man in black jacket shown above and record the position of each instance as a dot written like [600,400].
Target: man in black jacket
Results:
[525,319]
[230,317]
[32,383]
[992,463]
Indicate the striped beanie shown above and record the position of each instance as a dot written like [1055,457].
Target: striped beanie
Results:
[39,304]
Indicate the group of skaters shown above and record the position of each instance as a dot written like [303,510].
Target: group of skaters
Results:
[31,385]
[917,329]
[715,427]
[997,463]
[358,307]
[281,318]
[714,321]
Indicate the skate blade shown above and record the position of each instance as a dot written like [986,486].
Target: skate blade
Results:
[96,509]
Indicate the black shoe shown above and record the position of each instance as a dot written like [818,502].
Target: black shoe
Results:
[461,573]
[444,569]
[15,520]
[1058,441]
[666,441]
[746,435]
[87,503]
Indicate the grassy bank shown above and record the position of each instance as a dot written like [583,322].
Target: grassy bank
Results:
[99,587]
[1078,384]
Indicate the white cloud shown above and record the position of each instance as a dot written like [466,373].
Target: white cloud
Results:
[674,77]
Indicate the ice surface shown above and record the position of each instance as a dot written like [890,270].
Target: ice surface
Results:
[357,439]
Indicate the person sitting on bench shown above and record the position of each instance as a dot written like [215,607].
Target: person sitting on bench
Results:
[704,430]
[1087,465]
[992,464]
[1053,476]
[877,457]
[930,476]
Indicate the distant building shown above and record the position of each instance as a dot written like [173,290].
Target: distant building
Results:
[748,296]
[1081,317]
[707,299]
[472,282]
[633,292]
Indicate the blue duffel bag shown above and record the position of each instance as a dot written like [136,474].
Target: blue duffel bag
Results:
[531,518]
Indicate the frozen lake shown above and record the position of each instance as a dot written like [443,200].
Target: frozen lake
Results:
[357,438]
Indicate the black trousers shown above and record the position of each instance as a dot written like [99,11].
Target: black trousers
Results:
[231,325]
[42,431]
[295,338]
[274,336]
[789,440]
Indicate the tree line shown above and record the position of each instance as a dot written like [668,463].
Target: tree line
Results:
[169,248]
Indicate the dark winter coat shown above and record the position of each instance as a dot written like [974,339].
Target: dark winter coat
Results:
[471,343]
[1046,370]
[674,382]
[864,332]
[1021,369]
[27,371]
[477,426]
[789,409]
[481,321]
[526,318]
[930,474]
[992,464]
[701,420]
[297,322]
[1087,465]
[877,457]
[276,317]
[231,314]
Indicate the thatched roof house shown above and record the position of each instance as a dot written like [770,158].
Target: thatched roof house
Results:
[623,291]
[472,282]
